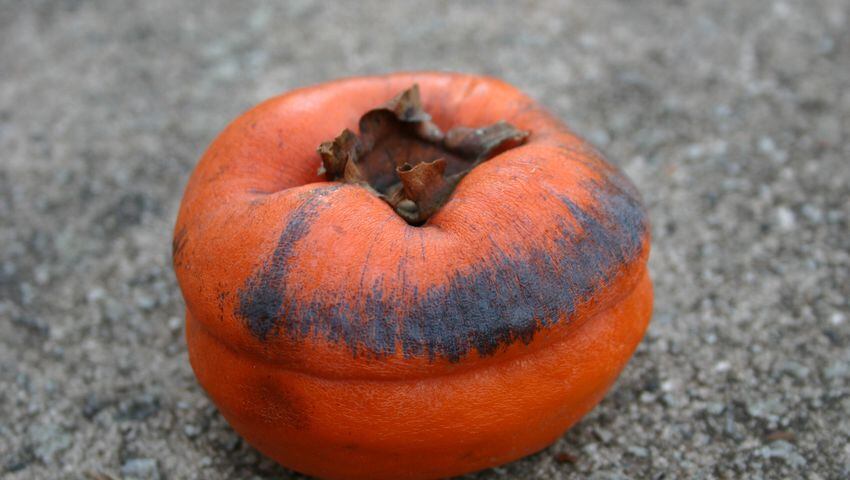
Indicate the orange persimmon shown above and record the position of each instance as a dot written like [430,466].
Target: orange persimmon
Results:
[446,286]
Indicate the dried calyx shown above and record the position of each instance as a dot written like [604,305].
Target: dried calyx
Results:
[404,158]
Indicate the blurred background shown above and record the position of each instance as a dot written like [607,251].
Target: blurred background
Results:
[732,117]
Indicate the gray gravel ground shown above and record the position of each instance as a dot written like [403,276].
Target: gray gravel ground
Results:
[732,117]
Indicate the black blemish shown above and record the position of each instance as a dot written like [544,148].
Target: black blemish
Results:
[177,245]
[261,302]
[222,299]
[503,300]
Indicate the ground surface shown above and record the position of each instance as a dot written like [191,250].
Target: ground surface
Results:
[733,118]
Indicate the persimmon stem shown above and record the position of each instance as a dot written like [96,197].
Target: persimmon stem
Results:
[403,157]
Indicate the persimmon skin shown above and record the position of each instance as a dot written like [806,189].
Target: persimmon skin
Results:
[344,343]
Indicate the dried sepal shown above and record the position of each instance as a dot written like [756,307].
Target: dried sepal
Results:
[407,106]
[425,185]
[338,153]
[403,157]
[482,142]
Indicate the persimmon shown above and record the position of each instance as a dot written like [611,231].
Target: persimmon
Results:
[445,286]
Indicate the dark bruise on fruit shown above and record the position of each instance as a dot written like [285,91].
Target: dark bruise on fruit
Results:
[274,403]
[504,299]
[263,301]
[404,158]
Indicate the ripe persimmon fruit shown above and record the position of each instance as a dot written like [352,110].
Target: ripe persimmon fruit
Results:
[447,285]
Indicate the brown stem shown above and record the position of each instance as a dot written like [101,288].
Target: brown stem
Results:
[404,158]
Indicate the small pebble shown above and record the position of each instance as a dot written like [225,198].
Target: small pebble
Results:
[191,430]
[49,442]
[637,451]
[786,218]
[783,451]
[140,469]
[722,366]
